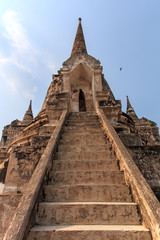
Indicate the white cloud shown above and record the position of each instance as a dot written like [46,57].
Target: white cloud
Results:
[17,65]
[15,32]
[21,63]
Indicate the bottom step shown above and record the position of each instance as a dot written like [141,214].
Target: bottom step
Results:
[89,232]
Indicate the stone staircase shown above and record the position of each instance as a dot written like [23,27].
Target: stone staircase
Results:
[86,197]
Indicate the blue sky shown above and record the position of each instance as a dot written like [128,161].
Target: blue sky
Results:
[36,37]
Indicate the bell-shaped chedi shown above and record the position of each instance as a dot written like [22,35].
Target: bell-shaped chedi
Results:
[78,87]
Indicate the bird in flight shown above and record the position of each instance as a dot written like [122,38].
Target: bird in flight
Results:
[120,68]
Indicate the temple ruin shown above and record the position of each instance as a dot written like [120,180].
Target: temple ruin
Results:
[82,168]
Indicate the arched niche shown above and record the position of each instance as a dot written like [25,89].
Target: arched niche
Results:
[84,72]
[80,79]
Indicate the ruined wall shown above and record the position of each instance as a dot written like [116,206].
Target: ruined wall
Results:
[107,102]
[148,131]
[3,154]
[10,132]
[147,158]
[16,127]
[8,205]
[22,162]
[54,88]
[141,132]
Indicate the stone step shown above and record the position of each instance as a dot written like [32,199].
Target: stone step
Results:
[108,193]
[83,128]
[84,118]
[83,141]
[82,134]
[85,165]
[84,137]
[87,213]
[88,121]
[88,177]
[81,115]
[102,155]
[83,148]
[89,232]
[83,124]
[84,113]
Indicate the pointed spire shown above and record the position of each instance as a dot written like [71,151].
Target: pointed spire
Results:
[130,110]
[79,45]
[30,108]
[128,105]
[28,117]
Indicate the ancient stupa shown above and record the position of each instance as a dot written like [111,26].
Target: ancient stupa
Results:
[82,168]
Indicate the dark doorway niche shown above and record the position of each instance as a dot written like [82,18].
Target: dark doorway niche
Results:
[4,139]
[82,102]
